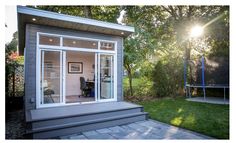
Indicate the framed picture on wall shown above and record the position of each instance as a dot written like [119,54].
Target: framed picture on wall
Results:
[75,67]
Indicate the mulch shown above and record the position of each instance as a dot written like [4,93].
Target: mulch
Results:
[15,125]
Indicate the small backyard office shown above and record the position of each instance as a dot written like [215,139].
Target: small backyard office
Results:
[89,72]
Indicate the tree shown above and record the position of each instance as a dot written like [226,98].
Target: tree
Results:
[143,41]
[161,31]
[12,60]
[132,59]
[11,47]
[104,13]
[216,37]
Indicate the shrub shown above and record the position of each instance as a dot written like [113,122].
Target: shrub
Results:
[168,77]
[142,87]
[146,69]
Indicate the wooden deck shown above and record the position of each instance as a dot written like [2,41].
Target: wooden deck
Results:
[65,120]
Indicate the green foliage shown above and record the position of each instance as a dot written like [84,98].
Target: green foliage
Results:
[11,56]
[132,55]
[142,87]
[12,46]
[168,77]
[12,62]
[160,79]
[208,119]
[142,41]
[104,13]
[163,32]
[146,69]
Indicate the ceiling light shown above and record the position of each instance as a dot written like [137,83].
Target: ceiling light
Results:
[74,42]
[94,44]
[122,33]
[50,40]
[33,19]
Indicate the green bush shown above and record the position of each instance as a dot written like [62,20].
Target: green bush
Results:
[142,86]
[146,69]
[168,77]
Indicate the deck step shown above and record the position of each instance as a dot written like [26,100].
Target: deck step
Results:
[61,121]
[77,127]
[83,118]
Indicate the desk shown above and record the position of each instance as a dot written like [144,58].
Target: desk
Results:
[90,85]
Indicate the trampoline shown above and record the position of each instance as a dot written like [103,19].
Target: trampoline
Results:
[209,100]
[204,86]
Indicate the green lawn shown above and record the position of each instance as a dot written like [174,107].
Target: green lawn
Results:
[208,119]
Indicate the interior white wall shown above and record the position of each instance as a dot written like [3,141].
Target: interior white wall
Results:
[73,80]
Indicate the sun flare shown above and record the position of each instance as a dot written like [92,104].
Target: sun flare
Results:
[196,31]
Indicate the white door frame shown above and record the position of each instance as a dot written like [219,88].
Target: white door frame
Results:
[63,67]
[38,73]
[114,78]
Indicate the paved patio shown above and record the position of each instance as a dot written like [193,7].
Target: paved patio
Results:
[148,129]
[212,100]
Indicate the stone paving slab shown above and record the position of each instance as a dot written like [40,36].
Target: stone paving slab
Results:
[148,129]
[78,137]
[104,131]
[97,135]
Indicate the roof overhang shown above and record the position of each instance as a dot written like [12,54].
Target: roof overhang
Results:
[34,16]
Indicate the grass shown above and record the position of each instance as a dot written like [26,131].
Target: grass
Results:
[208,119]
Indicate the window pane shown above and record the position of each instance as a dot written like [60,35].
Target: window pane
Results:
[49,40]
[77,43]
[106,77]
[50,77]
[107,46]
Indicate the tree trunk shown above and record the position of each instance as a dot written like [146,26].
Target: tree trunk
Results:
[6,81]
[187,60]
[130,82]
[87,12]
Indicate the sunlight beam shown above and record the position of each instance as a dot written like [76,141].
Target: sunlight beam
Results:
[213,20]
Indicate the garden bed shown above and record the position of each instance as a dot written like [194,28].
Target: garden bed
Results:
[15,126]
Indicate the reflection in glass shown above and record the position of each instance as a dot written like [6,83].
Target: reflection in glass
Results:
[106,77]
[49,40]
[50,77]
[107,46]
[78,43]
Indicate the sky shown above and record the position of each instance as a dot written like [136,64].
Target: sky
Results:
[11,22]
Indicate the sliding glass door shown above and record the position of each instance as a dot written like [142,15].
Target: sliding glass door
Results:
[105,77]
[51,77]
[74,70]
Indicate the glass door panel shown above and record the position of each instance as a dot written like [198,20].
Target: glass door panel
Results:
[51,77]
[106,77]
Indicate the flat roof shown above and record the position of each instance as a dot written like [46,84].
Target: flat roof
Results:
[42,17]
